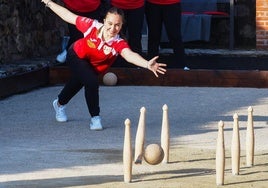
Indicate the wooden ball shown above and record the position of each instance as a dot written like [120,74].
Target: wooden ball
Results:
[110,79]
[153,154]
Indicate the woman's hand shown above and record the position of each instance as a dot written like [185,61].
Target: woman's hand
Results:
[138,60]
[45,2]
[156,67]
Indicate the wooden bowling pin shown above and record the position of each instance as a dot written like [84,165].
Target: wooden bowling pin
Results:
[250,140]
[235,148]
[220,155]
[165,134]
[127,153]
[140,135]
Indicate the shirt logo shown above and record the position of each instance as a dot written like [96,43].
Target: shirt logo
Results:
[91,44]
[107,49]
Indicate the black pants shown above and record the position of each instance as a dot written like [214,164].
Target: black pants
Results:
[170,16]
[82,75]
[132,28]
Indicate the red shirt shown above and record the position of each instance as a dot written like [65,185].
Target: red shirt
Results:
[101,54]
[82,5]
[127,4]
[164,2]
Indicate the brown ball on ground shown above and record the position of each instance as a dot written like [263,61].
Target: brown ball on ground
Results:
[153,154]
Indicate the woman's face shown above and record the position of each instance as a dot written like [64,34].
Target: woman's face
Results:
[112,24]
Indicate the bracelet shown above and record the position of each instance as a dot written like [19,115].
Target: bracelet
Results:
[47,4]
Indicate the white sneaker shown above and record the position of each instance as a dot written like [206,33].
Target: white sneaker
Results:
[62,56]
[186,68]
[95,123]
[60,111]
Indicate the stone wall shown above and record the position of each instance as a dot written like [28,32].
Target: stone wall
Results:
[28,29]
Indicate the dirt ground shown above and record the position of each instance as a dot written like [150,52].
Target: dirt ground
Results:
[188,168]
[191,167]
[38,152]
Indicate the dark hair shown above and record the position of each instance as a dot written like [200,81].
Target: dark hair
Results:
[115,10]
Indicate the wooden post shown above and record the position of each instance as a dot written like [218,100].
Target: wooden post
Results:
[140,135]
[165,134]
[250,139]
[220,155]
[127,153]
[235,148]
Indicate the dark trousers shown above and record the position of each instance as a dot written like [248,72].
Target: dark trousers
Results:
[82,75]
[132,28]
[170,16]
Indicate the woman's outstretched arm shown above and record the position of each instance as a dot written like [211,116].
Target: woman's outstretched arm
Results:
[62,12]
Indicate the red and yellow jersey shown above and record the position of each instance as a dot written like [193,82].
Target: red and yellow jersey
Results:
[101,54]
